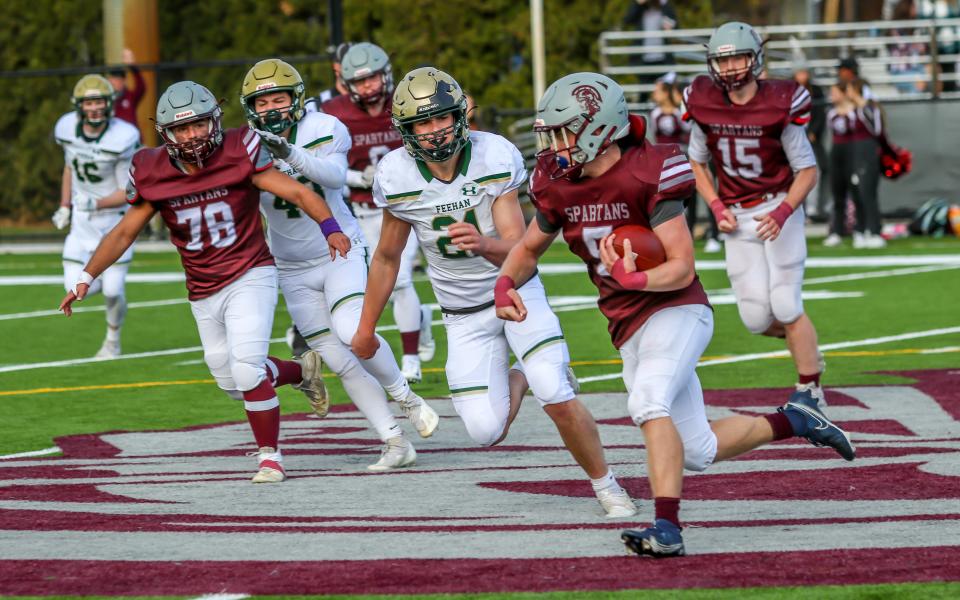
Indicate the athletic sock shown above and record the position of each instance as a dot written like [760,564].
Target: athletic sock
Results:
[608,481]
[283,372]
[805,379]
[263,413]
[410,340]
[781,424]
[666,507]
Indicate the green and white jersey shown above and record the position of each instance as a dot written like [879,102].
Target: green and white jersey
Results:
[100,165]
[292,235]
[490,166]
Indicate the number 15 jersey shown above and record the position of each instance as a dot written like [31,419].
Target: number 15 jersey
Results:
[756,146]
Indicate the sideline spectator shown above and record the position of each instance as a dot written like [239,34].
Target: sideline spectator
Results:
[865,152]
[127,100]
[906,52]
[815,131]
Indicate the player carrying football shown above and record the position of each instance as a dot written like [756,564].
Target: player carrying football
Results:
[324,296]
[365,110]
[97,149]
[754,131]
[205,183]
[596,173]
[457,191]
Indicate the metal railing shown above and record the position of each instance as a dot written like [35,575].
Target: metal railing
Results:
[817,47]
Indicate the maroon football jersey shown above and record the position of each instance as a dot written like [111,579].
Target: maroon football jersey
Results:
[669,128]
[590,208]
[744,141]
[214,214]
[373,137]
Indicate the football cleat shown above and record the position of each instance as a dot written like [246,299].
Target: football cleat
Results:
[616,503]
[427,347]
[811,394]
[109,349]
[312,385]
[662,540]
[271,466]
[424,418]
[410,368]
[396,453]
[820,431]
[712,246]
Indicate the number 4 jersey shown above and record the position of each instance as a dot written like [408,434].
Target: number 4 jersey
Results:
[214,214]
[756,146]
[489,167]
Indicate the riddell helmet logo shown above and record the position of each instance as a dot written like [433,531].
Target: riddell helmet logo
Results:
[266,86]
[186,113]
[589,99]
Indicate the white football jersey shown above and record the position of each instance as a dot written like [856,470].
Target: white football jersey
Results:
[490,166]
[292,235]
[101,165]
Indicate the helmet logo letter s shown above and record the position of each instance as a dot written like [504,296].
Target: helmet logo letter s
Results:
[589,99]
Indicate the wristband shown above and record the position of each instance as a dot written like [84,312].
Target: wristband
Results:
[500,289]
[717,207]
[329,226]
[781,213]
[631,281]
[85,278]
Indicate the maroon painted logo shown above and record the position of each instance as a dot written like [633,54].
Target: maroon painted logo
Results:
[589,99]
[174,512]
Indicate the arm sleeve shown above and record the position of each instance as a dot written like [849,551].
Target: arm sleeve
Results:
[133,194]
[543,221]
[797,147]
[698,144]
[379,198]
[664,211]
[326,164]
[261,157]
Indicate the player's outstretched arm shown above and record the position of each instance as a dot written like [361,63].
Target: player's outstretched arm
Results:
[381,279]
[283,186]
[675,273]
[111,248]
[508,220]
[520,265]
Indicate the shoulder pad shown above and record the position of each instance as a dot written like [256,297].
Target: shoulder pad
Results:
[65,131]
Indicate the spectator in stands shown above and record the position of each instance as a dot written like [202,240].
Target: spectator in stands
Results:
[339,88]
[840,117]
[650,15]
[815,130]
[865,157]
[948,38]
[907,52]
[849,70]
[127,100]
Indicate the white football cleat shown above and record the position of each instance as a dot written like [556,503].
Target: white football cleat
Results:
[396,453]
[712,246]
[859,240]
[271,466]
[424,418]
[616,503]
[312,384]
[109,349]
[427,347]
[410,368]
[832,241]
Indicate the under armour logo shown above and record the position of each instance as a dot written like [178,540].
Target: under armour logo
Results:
[469,189]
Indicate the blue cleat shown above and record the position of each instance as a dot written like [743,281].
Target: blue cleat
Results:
[663,540]
[819,430]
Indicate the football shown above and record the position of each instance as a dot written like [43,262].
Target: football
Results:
[644,243]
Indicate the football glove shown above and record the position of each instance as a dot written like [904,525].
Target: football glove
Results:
[361,179]
[278,146]
[61,218]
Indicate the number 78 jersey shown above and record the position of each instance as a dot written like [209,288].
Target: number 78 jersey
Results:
[750,144]
[489,167]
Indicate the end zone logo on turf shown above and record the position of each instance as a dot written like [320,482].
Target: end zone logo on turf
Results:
[174,512]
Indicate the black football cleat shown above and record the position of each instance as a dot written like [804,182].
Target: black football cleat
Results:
[662,540]
[820,431]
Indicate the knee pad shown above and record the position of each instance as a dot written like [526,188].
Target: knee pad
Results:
[786,303]
[756,316]
[648,400]
[247,376]
[484,433]
[219,365]
[698,453]
[548,379]
[479,418]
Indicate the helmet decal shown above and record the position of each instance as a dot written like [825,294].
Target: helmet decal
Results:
[589,98]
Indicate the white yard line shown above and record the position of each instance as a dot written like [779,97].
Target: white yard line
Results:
[44,452]
[825,347]
[222,597]
[82,309]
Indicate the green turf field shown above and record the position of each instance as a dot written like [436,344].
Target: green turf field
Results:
[175,390]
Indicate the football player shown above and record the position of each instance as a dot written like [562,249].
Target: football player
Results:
[456,190]
[206,184]
[365,110]
[596,173]
[754,131]
[97,149]
[324,296]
